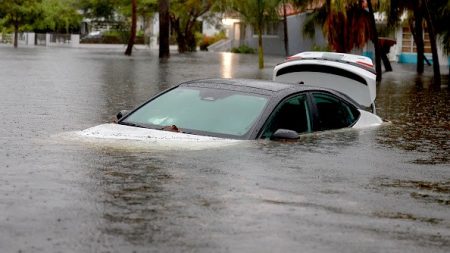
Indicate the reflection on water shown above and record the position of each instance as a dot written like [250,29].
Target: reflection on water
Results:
[378,189]
[227,65]
[420,117]
[132,195]
[437,191]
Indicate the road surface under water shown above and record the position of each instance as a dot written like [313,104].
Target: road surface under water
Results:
[384,189]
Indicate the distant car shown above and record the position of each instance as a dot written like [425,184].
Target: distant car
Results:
[238,109]
[350,74]
[94,35]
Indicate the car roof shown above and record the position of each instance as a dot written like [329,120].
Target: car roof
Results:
[275,90]
[246,85]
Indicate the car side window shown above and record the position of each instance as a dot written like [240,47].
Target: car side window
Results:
[333,113]
[291,114]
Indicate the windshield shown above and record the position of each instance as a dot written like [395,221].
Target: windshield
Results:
[214,111]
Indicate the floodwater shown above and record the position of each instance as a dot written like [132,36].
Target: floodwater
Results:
[384,189]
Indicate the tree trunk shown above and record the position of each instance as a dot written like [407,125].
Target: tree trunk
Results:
[185,37]
[260,49]
[328,6]
[286,38]
[386,63]
[181,39]
[164,21]
[132,39]
[16,34]
[418,37]
[432,35]
[375,42]
[189,31]
[191,42]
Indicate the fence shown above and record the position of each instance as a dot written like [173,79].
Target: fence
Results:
[57,38]
[6,38]
[42,39]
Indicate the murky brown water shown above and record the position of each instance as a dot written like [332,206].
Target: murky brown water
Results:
[376,190]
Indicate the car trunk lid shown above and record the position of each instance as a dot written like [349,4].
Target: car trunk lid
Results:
[350,74]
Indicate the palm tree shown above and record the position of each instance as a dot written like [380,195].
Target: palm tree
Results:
[257,13]
[421,12]
[442,15]
[396,9]
[132,38]
[444,28]
[432,36]
[347,25]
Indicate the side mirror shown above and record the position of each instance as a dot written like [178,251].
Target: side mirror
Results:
[121,114]
[285,134]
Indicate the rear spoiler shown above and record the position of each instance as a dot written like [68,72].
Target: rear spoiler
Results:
[356,80]
[359,64]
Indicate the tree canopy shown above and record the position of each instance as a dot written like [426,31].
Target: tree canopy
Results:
[345,23]
[18,14]
[59,16]
[98,9]
[442,16]
[184,18]
[257,13]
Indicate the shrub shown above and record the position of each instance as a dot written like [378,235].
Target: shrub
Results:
[206,41]
[113,37]
[325,48]
[244,49]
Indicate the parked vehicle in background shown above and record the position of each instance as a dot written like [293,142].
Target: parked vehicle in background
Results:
[350,74]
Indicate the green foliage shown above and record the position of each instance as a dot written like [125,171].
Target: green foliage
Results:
[116,36]
[41,15]
[345,23]
[314,19]
[6,36]
[257,13]
[321,48]
[184,15]
[206,41]
[440,13]
[145,8]
[59,16]
[19,13]
[244,49]
[441,16]
[113,37]
[98,9]
[140,33]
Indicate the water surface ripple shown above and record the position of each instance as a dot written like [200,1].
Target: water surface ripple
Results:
[383,189]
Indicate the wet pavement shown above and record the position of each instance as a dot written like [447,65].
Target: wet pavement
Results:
[384,189]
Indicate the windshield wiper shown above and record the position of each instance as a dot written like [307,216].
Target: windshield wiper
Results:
[133,124]
[174,128]
[171,128]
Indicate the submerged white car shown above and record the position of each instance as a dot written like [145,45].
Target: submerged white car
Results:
[212,109]
[350,74]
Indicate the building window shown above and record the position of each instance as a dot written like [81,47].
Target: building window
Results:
[270,29]
[408,44]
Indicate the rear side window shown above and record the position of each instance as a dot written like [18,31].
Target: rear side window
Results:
[291,114]
[333,112]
